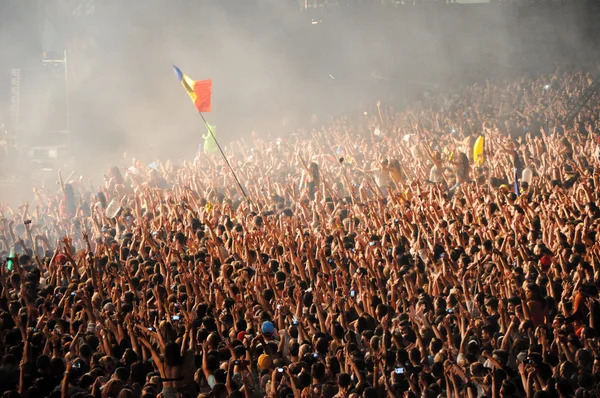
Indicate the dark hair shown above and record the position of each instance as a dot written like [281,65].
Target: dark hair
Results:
[116,173]
[318,370]
[344,380]
[122,374]
[173,354]
[314,171]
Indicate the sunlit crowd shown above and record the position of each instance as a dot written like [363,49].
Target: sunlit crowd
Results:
[391,253]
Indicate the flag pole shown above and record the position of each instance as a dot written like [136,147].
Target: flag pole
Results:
[224,157]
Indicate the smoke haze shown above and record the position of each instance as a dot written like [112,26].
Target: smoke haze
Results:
[270,63]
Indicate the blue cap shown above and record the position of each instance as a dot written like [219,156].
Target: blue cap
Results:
[268,328]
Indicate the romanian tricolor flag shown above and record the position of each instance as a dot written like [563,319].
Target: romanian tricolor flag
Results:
[199,91]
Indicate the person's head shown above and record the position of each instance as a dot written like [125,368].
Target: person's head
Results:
[173,354]
[265,362]
[567,370]
[564,387]
[585,359]
[138,373]
[532,291]
[415,356]
[57,367]
[487,333]
[32,392]
[509,390]
[11,394]
[268,329]
[526,326]
[369,392]
[491,305]
[344,381]
[322,345]
[126,393]
[314,170]
[112,388]
[43,363]
[501,356]
[318,371]
[435,345]
[122,374]
[108,364]
[213,340]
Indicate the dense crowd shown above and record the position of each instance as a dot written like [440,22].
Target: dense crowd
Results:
[372,257]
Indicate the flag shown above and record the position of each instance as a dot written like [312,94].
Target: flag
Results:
[479,151]
[210,144]
[199,91]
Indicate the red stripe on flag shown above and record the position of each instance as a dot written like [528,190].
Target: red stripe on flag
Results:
[203,91]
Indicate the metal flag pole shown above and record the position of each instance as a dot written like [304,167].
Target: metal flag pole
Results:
[224,157]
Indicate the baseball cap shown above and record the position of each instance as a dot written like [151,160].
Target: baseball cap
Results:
[264,362]
[546,261]
[268,328]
